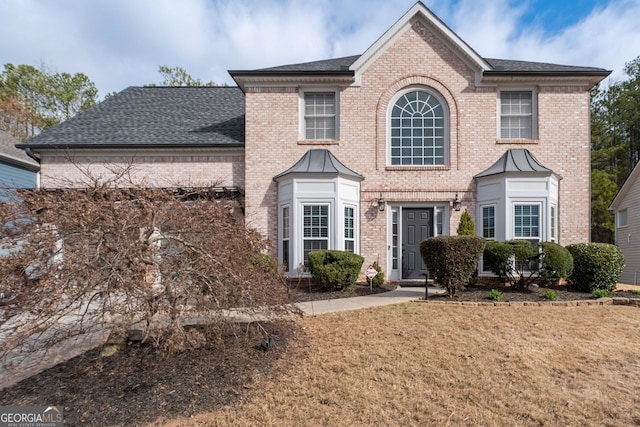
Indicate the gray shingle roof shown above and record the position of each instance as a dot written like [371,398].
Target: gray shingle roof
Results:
[320,161]
[500,66]
[9,153]
[154,117]
[328,65]
[511,66]
[516,160]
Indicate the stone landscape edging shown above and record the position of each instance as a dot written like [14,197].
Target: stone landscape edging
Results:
[635,302]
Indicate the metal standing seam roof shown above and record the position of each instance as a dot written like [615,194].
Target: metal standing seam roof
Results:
[154,117]
[516,160]
[320,161]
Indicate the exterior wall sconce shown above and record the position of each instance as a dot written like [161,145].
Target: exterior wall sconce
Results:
[381,203]
[456,203]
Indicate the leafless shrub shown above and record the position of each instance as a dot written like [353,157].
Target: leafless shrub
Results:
[105,257]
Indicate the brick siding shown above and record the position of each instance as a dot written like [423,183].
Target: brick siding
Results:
[417,58]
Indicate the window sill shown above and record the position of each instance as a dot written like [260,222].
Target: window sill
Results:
[417,168]
[517,141]
[319,142]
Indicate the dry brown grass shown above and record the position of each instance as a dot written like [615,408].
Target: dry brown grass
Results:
[422,364]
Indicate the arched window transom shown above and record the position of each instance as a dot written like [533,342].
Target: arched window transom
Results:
[418,129]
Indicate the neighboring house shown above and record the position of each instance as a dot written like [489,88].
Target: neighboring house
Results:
[626,208]
[17,170]
[369,153]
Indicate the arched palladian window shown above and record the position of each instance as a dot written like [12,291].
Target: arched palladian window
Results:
[419,129]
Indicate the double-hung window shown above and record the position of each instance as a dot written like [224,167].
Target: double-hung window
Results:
[527,226]
[517,113]
[349,229]
[320,115]
[552,223]
[489,222]
[622,218]
[315,226]
[526,221]
[286,236]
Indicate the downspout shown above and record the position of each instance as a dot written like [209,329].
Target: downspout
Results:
[31,154]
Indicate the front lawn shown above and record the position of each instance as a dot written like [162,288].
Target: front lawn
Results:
[422,364]
[407,364]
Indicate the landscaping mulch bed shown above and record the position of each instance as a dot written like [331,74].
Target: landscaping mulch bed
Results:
[138,385]
[474,293]
[311,292]
[480,293]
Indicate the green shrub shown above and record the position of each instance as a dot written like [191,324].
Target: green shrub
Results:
[550,295]
[452,260]
[514,261]
[498,258]
[595,266]
[556,262]
[495,295]
[636,291]
[466,227]
[264,263]
[334,270]
[600,293]
[378,280]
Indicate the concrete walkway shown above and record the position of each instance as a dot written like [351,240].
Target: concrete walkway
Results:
[397,296]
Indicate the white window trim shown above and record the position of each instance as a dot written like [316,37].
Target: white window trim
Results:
[330,225]
[495,222]
[281,237]
[447,126]
[534,112]
[301,110]
[542,230]
[619,223]
[356,228]
[553,222]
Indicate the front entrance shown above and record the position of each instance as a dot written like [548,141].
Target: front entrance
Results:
[417,225]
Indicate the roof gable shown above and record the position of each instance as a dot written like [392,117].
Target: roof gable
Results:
[626,187]
[419,12]
[348,70]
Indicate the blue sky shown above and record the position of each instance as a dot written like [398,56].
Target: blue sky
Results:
[121,43]
[555,15]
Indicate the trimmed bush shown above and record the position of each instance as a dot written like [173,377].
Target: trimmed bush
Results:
[334,270]
[497,257]
[595,266]
[452,260]
[514,261]
[556,262]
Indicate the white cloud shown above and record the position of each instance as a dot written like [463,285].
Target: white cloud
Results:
[119,43]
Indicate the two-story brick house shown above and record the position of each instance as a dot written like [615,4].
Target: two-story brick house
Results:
[369,153]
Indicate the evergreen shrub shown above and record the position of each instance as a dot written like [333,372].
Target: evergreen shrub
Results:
[595,266]
[334,270]
[452,260]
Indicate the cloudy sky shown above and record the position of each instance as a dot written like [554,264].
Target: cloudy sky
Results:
[121,43]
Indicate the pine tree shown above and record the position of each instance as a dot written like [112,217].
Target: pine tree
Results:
[466,226]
